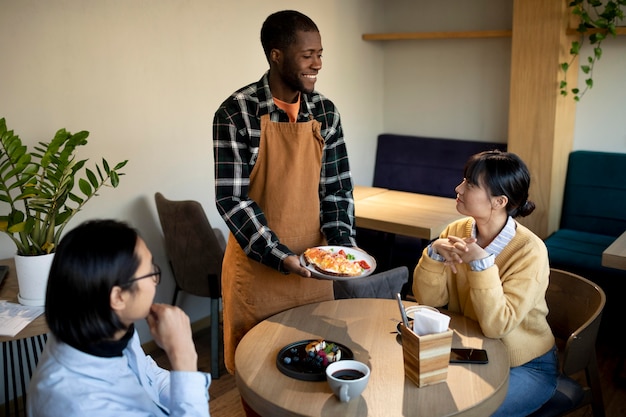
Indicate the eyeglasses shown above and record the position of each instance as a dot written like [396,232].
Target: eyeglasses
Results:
[156,276]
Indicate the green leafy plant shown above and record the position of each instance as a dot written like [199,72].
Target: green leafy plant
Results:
[38,187]
[597,20]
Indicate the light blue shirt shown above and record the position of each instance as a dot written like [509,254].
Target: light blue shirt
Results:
[68,383]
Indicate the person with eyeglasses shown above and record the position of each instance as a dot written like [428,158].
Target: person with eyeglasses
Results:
[103,280]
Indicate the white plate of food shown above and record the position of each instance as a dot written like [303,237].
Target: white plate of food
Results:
[338,263]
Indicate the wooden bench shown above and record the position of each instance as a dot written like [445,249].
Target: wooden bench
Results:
[424,165]
[593,216]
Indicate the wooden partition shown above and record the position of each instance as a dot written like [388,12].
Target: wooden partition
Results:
[541,121]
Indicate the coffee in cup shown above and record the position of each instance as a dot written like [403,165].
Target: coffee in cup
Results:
[347,378]
[348,374]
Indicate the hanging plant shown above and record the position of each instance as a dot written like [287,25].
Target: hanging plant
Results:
[598,19]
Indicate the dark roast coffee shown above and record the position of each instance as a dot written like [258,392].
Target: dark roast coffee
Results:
[348,374]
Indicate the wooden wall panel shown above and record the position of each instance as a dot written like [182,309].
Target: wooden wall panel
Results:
[541,121]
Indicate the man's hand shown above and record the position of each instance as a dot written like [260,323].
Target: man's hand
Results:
[292,264]
[171,330]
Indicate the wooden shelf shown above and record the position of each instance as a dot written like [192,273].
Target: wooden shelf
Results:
[437,35]
[399,36]
[619,30]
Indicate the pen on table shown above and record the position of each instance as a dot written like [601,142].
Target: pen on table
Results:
[405,320]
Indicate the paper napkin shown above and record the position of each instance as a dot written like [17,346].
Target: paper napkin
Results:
[14,317]
[429,322]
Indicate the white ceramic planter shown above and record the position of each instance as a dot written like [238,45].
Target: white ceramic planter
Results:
[32,278]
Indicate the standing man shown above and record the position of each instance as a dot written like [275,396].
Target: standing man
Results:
[282,180]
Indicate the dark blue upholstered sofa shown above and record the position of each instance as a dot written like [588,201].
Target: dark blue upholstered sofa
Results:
[594,211]
[592,217]
[424,165]
[416,164]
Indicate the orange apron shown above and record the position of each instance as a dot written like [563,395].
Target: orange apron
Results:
[284,183]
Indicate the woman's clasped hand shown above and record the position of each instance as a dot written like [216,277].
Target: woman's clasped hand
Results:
[457,250]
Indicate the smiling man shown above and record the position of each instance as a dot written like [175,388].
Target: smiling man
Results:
[282,180]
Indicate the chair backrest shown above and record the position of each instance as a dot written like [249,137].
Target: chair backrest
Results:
[380,285]
[575,309]
[575,305]
[195,250]
[594,176]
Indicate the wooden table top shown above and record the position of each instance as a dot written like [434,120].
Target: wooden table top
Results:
[615,255]
[360,192]
[8,291]
[367,327]
[403,213]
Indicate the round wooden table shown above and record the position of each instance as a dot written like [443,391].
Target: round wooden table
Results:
[368,328]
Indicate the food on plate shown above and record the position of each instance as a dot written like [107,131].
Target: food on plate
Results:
[317,354]
[307,359]
[328,350]
[318,351]
[335,263]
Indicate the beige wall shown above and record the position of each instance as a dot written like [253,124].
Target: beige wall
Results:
[459,88]
[145,77]
[601,114]
[450,88]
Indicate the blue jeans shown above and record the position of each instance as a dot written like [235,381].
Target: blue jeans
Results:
[530,385]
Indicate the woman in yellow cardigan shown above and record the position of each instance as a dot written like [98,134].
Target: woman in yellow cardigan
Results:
[494,270]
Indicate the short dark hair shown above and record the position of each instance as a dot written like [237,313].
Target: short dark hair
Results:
[89,261]
[503,173]
[279,30]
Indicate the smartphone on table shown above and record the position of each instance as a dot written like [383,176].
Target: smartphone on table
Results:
[468,355]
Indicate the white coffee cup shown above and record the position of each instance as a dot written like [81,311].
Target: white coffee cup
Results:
[347,378]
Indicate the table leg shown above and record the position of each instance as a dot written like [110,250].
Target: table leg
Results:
[248,410]
[389,241]
[620,372]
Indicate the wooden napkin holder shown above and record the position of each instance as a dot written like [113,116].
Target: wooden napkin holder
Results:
[426,358]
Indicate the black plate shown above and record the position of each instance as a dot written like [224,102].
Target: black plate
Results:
[302,369]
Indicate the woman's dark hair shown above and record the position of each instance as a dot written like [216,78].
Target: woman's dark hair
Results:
[279,30]
[503,173]
[89,261]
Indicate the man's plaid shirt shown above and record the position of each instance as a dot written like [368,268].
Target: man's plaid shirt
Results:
[236,137]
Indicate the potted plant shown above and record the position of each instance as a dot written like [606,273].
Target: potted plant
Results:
[39,191]
[597,20]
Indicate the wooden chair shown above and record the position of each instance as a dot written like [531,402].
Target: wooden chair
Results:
[195,251]
[576,305]
[380,285]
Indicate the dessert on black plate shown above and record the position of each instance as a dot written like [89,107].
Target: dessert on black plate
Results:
[308,359]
